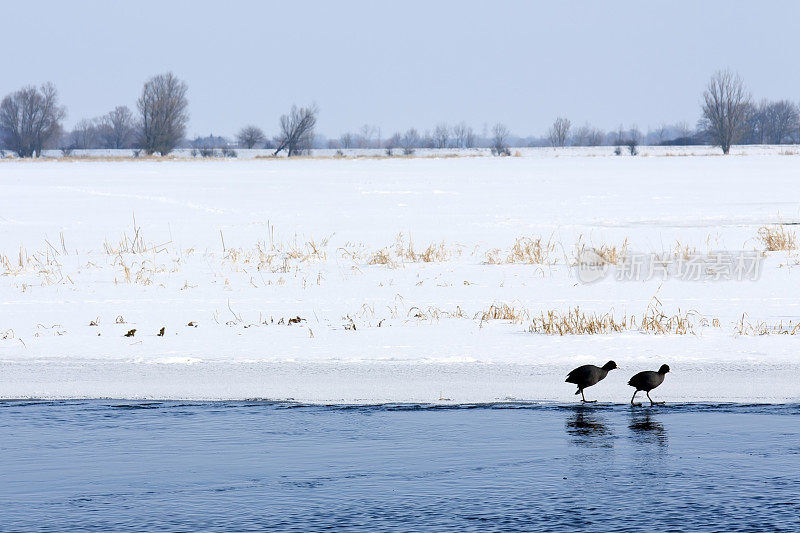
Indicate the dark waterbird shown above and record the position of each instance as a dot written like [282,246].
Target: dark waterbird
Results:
[647,381]
[588,375]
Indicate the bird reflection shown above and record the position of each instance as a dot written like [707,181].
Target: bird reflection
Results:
[646,428]
[587,428]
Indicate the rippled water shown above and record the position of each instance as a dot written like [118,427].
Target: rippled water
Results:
[103,465]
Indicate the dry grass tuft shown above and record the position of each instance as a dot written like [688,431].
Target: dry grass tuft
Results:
[434,314]
[777,238]
[745,327]
[573,321]
[134,244]
[404,251]
[492,257]
[382,257]
[684,251]
[503,311]
[533,251]
[656,322]
[45,264]
[576,322]
[604,254]
[275,257]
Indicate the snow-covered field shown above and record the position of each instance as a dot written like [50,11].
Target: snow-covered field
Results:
[240,247]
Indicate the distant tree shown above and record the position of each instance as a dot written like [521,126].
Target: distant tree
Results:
[500,136]
[619,136]
[469,138]
[85,135]
[681,134]
[685,131]
[633,139]
[366,136]
[346,140]
[581,136]
[756,124]
[297,130]
[210,141]
[118,128]
[249,136]
[661,133]
[427,140]
[30,119]
[725,105]
[163,107]
[459,132]
[782,121]
[392,143]
[441,135]
[559,132]
[410,141]
[211,146]
[596,137]
[463,136]
[586,135]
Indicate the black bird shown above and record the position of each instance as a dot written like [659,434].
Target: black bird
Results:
[647,381]
[588,375]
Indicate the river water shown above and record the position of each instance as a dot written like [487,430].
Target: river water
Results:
[105,465]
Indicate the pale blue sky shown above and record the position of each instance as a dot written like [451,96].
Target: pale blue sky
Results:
[403,64]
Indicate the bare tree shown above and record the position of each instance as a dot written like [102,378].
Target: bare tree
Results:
[85,134]
[581,136]
[463,136]
[596,137]
[783,121]
[469,139]
[30,119]
[427,140]
[500,136]
[393,142]
[619,136]
[633,139]
[346,140]
[559,132]
[755,129]
[684,130]
[118,128]
[662,132]
[163,108]
[459,132]
[441,135]
[297,130]
[725,104]
[249,136]
[586,135]
[410,141]
[366,134]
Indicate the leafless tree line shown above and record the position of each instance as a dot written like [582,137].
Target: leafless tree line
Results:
[442,136]
[768,122]
[116,129]
[30,121]
[731,117]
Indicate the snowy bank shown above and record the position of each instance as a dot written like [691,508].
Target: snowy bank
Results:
[296,284]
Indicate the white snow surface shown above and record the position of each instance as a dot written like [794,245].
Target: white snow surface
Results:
[228,247]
